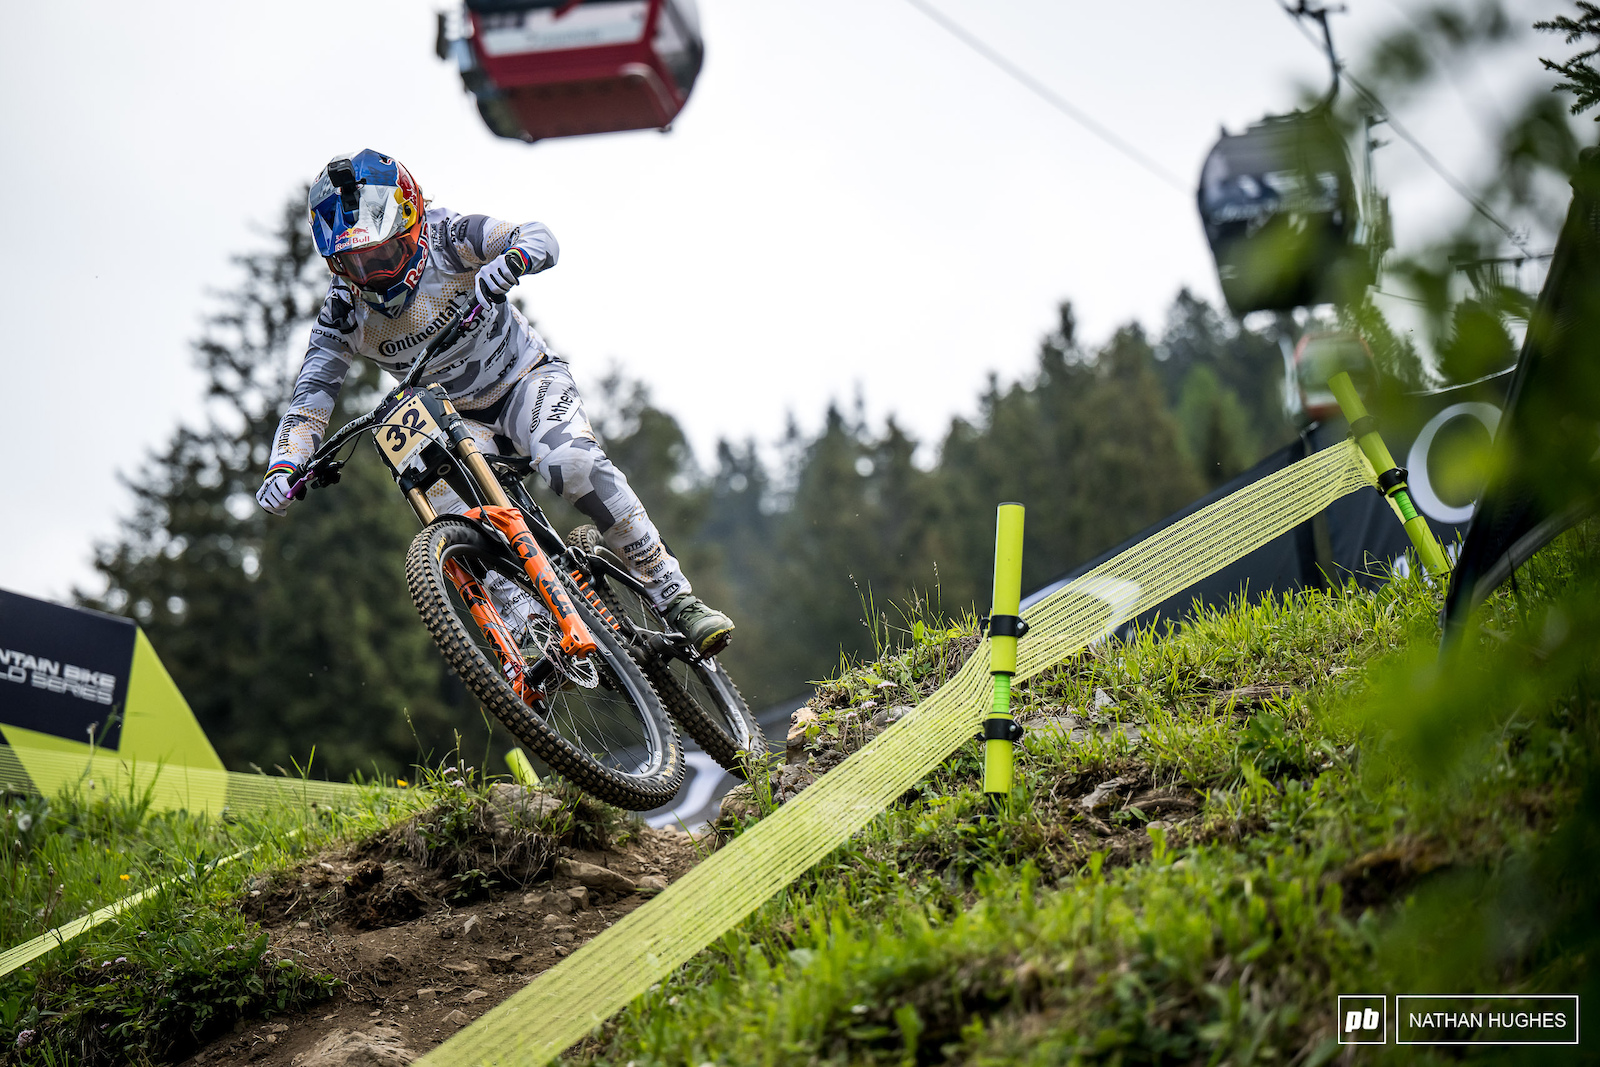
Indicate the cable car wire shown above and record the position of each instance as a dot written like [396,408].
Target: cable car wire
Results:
[1438,168]
[1387,116]
[1048,95]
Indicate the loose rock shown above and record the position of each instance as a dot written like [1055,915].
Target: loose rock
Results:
[346,1048]
[802,718]
[514,807]
[1103,794]
[739,803]
[595,877]
[791,780]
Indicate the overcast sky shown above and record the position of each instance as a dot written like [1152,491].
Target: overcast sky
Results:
[852,201]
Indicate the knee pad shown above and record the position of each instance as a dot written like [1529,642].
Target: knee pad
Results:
[586,478]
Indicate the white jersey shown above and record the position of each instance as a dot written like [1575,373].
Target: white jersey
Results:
[476,371]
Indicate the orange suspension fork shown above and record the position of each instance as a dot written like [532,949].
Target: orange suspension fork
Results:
[576,640]
[494,628]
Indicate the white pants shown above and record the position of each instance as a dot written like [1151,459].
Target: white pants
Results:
[543,417]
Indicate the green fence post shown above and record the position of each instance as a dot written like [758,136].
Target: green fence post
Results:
[521,769]
[1391,477]
[1000,731]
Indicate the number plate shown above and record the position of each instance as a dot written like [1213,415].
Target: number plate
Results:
[404,432]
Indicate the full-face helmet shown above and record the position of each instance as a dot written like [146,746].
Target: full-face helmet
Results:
[367,221]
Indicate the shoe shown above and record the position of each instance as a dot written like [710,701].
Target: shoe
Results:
[707,629]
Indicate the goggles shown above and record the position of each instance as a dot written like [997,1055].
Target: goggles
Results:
[379,266]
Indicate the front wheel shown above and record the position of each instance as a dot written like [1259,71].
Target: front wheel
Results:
[697,690]
[596,722]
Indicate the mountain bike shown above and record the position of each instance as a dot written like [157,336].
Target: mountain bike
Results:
[574,684]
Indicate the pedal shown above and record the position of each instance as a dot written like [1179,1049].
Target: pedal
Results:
[718,645]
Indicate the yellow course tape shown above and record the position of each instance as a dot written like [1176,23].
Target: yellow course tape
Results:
[29,951]
[200,788]
[566,1002]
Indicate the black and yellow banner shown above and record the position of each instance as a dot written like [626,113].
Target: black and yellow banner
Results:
[83,696]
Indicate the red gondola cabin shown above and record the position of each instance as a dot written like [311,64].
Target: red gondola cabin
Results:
[557,68]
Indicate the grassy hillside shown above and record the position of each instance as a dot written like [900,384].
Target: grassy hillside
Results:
[1280,803]
[183,962]
[1215,832]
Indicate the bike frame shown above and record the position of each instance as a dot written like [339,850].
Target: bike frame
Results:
[423,440]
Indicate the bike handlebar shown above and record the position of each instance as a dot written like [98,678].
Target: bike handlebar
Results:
[303,478]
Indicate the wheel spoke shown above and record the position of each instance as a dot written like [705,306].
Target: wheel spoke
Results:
[599,719]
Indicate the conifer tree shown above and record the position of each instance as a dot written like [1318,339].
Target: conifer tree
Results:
[1089,447]
[284,633]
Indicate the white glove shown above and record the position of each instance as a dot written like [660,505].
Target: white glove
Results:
[274,495]
[495,279]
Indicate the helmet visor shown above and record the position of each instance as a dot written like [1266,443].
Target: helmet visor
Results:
[381,265]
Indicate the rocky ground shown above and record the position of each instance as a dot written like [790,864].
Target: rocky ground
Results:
[1110,812]
[423,943]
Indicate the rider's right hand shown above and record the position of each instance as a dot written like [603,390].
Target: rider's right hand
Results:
[274,495]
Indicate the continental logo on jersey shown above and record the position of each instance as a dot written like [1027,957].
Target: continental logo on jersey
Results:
[398,345]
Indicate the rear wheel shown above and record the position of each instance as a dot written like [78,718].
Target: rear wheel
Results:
[697,691]
[596,722]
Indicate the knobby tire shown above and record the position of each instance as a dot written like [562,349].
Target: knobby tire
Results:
[661,770]
[701,697]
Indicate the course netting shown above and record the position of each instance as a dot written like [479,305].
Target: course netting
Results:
[194,788]
[565,1003]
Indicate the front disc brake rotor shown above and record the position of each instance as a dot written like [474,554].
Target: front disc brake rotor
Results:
[543,639]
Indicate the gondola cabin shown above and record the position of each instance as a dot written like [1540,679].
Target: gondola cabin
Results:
[559,68]
[1280,211]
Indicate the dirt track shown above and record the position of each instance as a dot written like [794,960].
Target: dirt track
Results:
[415,968]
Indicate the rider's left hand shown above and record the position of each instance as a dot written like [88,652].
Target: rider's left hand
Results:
[495,279]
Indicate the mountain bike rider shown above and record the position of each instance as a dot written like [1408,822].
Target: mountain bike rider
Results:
[403,271]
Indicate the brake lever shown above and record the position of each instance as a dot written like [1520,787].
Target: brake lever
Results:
[316,477]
